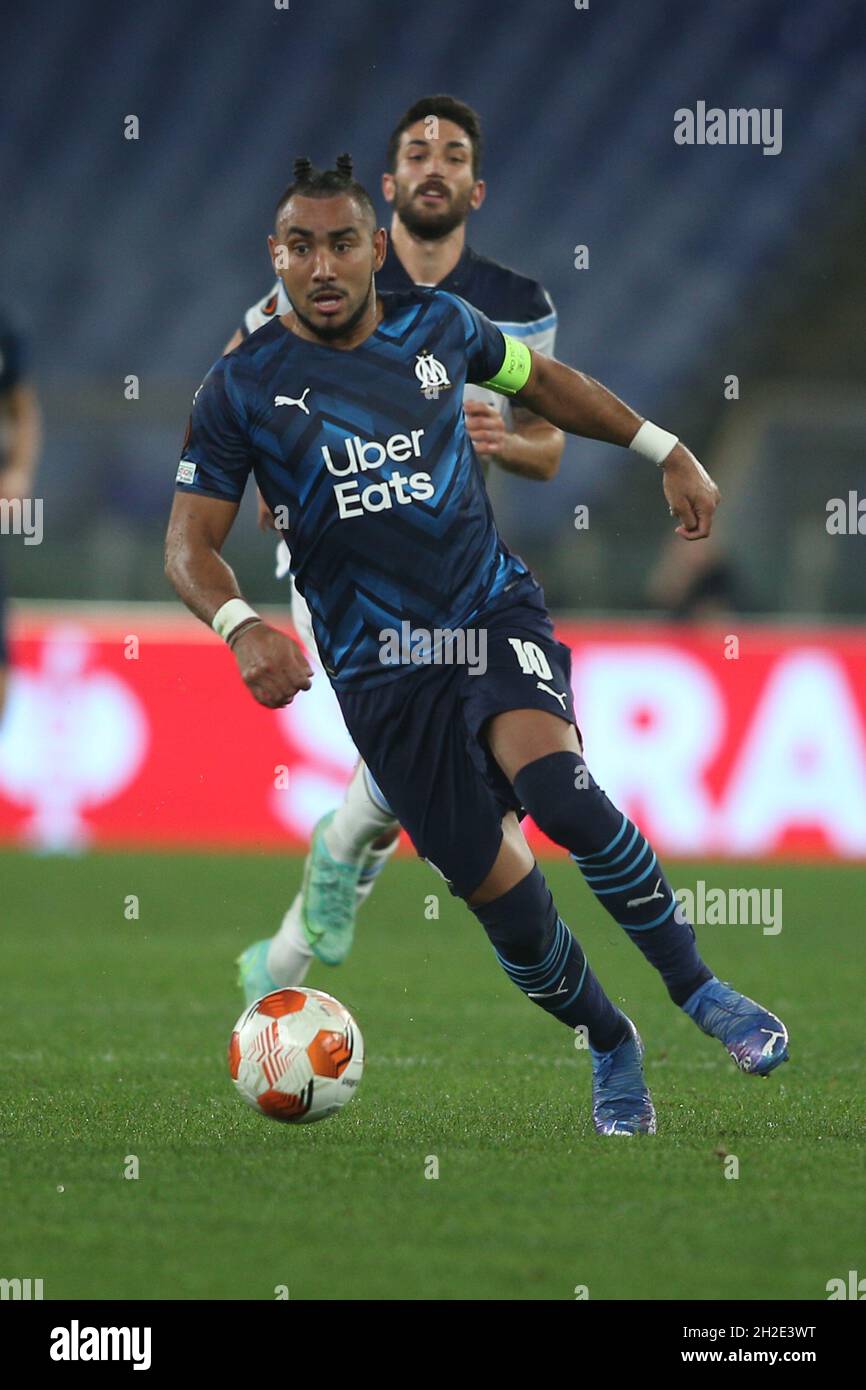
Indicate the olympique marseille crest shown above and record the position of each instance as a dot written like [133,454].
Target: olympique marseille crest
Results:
[431,374]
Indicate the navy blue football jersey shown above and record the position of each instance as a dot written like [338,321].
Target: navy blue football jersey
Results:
[518,305]
[365,454]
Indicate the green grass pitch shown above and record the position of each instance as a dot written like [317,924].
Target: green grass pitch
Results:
[114,1035]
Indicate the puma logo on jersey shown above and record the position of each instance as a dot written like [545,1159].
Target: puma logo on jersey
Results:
[290,400]
[539,685]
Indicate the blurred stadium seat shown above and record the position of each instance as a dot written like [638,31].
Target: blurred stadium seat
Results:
[156,246]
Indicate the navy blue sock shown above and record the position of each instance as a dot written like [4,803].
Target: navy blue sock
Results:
[538,952]
[618,863]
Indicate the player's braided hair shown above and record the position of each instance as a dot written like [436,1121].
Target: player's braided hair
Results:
[311,182]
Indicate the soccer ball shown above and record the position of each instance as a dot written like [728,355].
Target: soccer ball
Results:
[296,1055]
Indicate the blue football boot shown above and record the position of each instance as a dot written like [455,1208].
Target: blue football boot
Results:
[756,1039]
[621,1102]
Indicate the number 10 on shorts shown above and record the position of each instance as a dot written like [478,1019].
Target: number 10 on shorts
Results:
[532,660]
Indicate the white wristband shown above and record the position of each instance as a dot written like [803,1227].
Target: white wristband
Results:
[234,614]
[653,443]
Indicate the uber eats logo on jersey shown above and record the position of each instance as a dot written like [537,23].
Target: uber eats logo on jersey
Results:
[365,455]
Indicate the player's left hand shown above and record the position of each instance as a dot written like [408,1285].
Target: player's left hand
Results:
[485,427]
[691,493]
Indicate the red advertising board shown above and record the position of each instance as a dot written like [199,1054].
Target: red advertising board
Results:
[131,727]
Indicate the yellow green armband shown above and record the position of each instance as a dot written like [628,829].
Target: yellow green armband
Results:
[514,372]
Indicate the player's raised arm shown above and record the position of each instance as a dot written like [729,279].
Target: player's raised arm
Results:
[576,403]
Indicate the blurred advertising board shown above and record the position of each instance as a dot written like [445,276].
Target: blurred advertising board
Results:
[131,727]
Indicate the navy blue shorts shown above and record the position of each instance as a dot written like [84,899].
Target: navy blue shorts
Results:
[422,735]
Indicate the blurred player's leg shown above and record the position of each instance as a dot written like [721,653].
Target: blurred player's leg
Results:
[278,961]
[334,890]
[349,848]
[362,829]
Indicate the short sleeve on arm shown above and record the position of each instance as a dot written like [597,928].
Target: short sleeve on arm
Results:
[216,457]
[493,359]
[484,342]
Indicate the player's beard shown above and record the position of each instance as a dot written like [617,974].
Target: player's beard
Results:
[431,226]
[327,332]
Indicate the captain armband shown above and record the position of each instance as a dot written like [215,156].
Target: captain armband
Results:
[514,372]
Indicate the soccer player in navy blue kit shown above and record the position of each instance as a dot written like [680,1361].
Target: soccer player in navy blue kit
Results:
[348,411]
[19,446]
[433,182]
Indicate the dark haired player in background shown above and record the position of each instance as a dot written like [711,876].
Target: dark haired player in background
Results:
[389,521]
[19,447]
[433,181]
